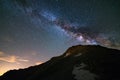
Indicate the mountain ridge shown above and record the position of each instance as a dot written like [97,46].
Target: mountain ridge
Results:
[97,62]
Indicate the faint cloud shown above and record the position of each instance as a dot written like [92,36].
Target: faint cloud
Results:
[11,59]
[38,63]
[1,53]
[23,60]
[34,53]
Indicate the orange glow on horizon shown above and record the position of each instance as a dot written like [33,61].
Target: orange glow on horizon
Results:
[5,68]
[12,66]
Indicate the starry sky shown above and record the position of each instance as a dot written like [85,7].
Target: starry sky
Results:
[33,31]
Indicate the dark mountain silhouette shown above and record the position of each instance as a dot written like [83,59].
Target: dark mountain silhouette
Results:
[77,63]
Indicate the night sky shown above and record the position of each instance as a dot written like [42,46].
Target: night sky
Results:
[33,31]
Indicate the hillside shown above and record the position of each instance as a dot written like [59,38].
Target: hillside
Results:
[88,62]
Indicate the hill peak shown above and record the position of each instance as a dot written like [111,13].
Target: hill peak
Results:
[75,50]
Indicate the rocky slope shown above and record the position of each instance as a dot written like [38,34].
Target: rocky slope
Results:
[77,63]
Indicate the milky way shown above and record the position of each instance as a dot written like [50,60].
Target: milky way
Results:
[86,30]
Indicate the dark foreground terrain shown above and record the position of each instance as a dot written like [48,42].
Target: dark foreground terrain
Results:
[77,63]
